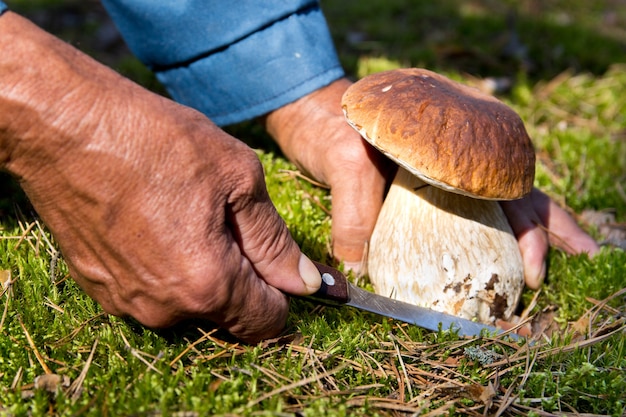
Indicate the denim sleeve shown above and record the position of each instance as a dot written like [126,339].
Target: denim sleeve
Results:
[232,60]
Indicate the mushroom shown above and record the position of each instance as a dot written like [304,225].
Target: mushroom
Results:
[441,239]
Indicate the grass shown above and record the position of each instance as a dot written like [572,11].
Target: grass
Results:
[567,82]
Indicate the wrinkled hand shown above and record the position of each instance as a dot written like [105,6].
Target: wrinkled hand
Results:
[312,133]
[539,222]
[160,214]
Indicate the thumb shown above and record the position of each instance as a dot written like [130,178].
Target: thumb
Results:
[357,200]
[563,231]
[266,242]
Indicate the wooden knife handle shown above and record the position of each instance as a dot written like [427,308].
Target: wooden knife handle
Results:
[334,285]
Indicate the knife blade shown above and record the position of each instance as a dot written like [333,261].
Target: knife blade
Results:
[338,290]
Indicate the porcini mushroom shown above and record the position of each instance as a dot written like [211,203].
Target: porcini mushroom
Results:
[441,239]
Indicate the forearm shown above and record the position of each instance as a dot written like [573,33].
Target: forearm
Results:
[50,96]
[232,62]
[37,78]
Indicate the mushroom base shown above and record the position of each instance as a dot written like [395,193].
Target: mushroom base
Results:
[445,251]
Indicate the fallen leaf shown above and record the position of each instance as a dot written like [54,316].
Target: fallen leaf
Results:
[5,277]
[215,384]
[451,361]
[294,339]
[51,382]
[543,323]
[474,392]
[524,330]
[27,394]
[581,326]
[487,394]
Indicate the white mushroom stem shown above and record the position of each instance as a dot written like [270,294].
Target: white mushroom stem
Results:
[445,251]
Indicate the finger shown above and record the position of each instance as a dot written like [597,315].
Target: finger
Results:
[272,265]
[256,310]
[357,200]
[265,241]
[563,232]
[532,240]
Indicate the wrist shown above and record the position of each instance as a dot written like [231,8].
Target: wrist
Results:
[286,123]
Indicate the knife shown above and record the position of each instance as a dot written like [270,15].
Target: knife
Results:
[336,289]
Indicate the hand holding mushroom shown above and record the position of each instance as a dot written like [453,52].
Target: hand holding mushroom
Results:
[442,239]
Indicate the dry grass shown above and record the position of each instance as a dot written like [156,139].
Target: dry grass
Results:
[478,377]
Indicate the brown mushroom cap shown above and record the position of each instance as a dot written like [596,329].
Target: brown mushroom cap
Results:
[448,134]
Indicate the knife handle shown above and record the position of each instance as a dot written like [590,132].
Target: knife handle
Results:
[334,285]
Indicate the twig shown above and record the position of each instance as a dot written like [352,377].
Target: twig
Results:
[17,378]
[298,174]
[42,233]
[53,306]
[406,376]
[202,338]
[6,289]
[526,313]
[136,354]
[74,333]
[25,232]
[273,375]
[557,239]
[296,384]
[75,389]
[529,366]
[619,327]
[316,360]
[507,400]
[366,356]
[347,391]
[314,199]
[393,405]
[35,350]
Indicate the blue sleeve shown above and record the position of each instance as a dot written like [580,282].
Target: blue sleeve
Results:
[3,7]
[232,60]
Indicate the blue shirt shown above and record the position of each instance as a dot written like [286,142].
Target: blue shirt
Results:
[232,60]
